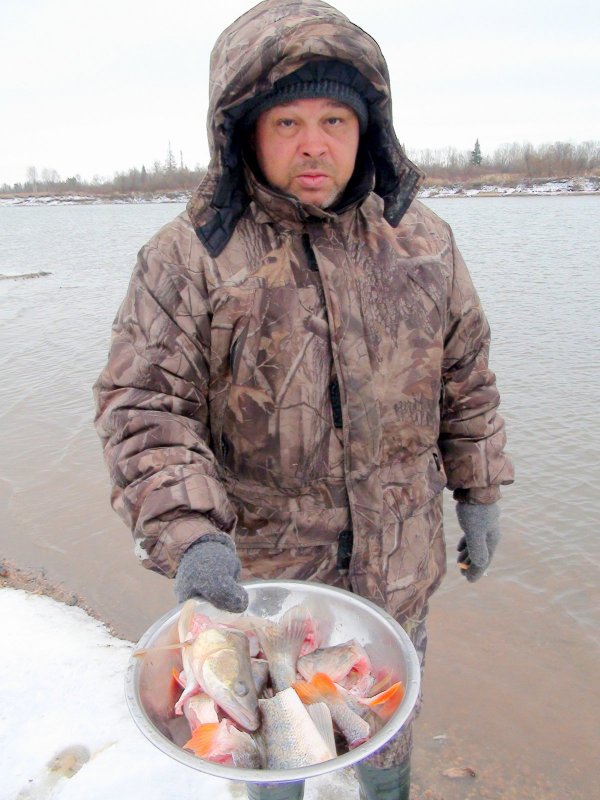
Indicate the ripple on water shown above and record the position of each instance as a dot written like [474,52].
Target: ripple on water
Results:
[535,265]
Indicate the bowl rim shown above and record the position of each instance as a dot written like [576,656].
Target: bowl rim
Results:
[260,776]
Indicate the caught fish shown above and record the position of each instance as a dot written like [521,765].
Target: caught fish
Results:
[336,661]
[219,663]
[310,642]
[281,643]
[321,688]
[357,683]
[191,622]
[223,743]
[321,716]
[244,674]
[187,628]
[376,709]
[199,710]
[260,674]
[291,737]
[385,703]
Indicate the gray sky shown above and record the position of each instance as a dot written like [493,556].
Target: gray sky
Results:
[92,88]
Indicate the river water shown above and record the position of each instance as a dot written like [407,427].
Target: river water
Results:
[511,686]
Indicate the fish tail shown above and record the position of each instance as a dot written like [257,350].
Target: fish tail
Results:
[287,636]
[203,739]
[385,703]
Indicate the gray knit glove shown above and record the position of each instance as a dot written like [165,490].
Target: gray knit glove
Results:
[480,524]
[209,569]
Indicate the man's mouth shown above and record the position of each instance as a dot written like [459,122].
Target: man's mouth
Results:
[311,180]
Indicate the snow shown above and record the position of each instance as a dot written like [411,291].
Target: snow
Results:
[65,727]
[91,199]
[583,185]
[551,187]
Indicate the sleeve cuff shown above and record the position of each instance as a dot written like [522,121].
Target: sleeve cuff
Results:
[476,495]
[181,534]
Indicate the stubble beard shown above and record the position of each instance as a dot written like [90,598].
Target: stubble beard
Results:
[336,191]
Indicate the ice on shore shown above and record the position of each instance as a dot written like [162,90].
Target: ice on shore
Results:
[64,724]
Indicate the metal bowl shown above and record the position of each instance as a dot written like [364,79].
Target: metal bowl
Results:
[340,616]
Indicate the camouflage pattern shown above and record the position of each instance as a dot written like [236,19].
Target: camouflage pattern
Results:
[214,408]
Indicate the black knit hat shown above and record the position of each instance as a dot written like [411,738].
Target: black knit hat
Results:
[309,89]
[331,79]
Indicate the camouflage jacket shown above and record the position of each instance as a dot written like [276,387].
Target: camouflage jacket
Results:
[215,406]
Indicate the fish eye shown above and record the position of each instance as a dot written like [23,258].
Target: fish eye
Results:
[240,688]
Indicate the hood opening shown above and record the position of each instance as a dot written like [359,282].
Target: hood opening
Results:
[319,41]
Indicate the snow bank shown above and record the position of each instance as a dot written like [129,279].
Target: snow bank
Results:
[64,724]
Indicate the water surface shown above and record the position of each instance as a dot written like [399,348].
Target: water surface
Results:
[511,682]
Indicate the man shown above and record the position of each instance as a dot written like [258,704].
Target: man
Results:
[300,364]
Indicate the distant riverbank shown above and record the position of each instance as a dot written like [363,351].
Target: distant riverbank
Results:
[552,186]
[555,186]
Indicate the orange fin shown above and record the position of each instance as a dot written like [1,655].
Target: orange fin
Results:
[321,687]
[306,692]
[203,739]
[385,703]
[323,684]
[177,677]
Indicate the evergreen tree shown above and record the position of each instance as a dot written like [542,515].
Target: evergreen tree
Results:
[170,165]
[476,154]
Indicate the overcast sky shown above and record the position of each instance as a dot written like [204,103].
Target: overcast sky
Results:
[92,88]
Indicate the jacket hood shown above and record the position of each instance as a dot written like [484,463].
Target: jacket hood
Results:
[267,43]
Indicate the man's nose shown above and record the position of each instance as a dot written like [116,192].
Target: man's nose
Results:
[313,143]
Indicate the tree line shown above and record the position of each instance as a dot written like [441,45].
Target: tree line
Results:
[141,181]
[510,162]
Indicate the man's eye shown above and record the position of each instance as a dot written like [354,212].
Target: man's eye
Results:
[286,123]
[334,121]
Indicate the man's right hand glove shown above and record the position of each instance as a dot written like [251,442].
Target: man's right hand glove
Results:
[209,569]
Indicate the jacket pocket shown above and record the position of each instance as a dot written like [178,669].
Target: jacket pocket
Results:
[409,486]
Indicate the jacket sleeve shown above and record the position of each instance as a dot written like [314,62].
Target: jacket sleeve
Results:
[152,414]
[472,436]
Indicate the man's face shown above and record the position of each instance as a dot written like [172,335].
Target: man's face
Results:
[308,148]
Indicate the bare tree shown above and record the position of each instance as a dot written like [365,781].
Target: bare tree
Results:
[32,178]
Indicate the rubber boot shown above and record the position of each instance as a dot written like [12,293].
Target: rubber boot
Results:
[389,783]
[293,790]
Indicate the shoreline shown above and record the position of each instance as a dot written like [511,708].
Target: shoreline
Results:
[551,187]
[36,582]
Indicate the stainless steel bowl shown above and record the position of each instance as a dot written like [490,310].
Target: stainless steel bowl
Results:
[340,616]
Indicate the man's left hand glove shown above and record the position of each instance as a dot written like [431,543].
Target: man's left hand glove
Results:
[480,524]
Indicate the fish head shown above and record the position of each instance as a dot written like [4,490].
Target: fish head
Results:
[227,678]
